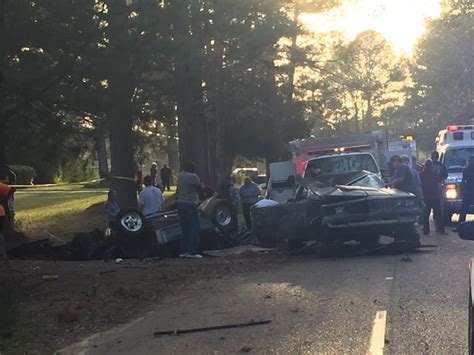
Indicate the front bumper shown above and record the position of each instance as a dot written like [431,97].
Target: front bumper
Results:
[454,206]
[370,220]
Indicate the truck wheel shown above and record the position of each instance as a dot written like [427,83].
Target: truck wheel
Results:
[407,232]
[224,216]
[370,241]
[131,221]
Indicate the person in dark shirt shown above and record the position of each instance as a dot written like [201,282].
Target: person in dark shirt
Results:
[430,181]
[165,174]
[403,178]
[468,189]
[439,167]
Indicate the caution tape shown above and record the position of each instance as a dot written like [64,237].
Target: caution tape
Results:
[58,184]
[73,183]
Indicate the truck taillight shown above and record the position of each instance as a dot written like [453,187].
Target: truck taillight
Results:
[451,192]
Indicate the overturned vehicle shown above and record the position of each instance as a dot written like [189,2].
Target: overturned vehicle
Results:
[335,208]
[135,235]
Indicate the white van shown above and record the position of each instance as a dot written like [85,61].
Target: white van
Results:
[455,145]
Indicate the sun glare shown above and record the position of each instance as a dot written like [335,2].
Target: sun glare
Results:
[401,21]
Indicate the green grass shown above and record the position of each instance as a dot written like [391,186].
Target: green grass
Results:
[62,213]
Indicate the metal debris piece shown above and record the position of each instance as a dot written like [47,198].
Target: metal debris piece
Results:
[205,329]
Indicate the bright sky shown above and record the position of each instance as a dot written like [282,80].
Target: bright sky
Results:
[401,21]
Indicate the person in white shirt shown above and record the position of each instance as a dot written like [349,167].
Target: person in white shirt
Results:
[151,199]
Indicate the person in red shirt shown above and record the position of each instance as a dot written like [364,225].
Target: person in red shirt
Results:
[430,181]
[139,177]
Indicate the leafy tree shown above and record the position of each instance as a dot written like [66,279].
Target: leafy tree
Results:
[353,89]
[443,74]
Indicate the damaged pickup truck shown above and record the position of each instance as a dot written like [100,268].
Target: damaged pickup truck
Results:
[335,208]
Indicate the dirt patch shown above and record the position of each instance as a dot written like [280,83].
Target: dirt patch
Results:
[47,313]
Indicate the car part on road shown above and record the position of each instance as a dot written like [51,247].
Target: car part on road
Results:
[217,327]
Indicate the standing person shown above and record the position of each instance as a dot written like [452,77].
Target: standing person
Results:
[153,172]
[111,207]
[6,192]
[416,176]
[432,195]
[139,177]
[403,178]
[439,167]
[151,199]
[467,189]
[441,170]
[249,193]
[165,174]
[189,187]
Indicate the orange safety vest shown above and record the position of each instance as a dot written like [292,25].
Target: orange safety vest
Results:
[4,192]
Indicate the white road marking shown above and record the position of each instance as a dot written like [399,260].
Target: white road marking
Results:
[377,341]
[389,278]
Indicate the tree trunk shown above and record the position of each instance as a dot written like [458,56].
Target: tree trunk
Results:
[121,85]
[192,130]
[173,149]
[101,150]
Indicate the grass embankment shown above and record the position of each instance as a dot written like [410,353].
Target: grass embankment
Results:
[61,211]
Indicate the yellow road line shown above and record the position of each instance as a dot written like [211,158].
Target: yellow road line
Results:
[377,341]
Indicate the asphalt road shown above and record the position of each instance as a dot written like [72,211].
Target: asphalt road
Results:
[317,306]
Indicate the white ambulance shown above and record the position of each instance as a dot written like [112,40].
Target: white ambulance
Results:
[455,144]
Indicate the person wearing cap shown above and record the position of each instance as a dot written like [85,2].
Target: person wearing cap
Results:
[6,192]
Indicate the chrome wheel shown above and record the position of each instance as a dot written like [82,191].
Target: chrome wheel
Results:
[132,222]
[223,216]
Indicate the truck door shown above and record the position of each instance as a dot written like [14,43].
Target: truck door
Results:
[280,187]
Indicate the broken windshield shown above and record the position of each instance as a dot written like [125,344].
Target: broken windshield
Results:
[339,164]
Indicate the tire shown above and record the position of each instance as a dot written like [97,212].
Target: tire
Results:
[224,216]
[408,233]
[131,222]
[370,241]
[470,326]
[324,242]
[295,244]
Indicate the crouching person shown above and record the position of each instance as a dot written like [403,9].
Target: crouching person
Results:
[111,208]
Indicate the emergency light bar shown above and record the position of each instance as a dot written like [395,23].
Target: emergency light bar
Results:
[453,128]
[339,150]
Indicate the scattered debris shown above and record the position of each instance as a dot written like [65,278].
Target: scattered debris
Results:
[118,260]
[237,250]
[246,349]
[406,259]
[205,329]
[50,277]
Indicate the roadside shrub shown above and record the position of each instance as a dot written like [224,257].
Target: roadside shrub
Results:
[77,170]
[24,174]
